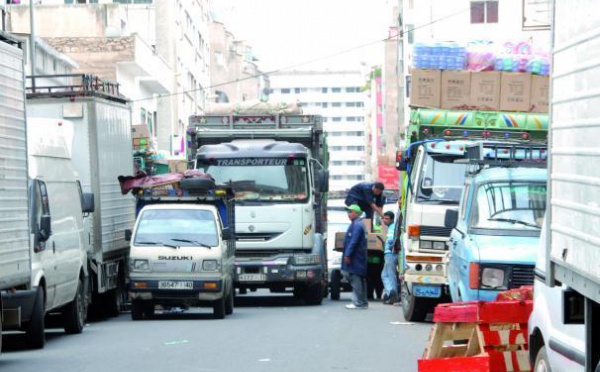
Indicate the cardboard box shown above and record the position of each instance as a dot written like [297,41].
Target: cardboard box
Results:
[140,131]
[339,241]
[425,88]
[485,90]
[456,89]
[376,242]
[141,142]
[515,91]
[540,93]
[177,166]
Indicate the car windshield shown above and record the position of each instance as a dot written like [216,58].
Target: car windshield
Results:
[442,179]
[179,227]
[509,206]
[261,179]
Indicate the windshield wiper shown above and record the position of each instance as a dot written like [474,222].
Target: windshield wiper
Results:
[192,242]
[513,221]
[158,243]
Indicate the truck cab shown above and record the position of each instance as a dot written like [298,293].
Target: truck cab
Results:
[182,251]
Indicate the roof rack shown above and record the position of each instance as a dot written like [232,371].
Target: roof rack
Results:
[488,154]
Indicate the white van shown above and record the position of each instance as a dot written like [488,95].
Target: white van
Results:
[57,208]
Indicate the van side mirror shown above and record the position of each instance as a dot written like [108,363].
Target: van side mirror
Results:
[45,229]
[323,180]
[451,218]
[128,234]
[88,203]
[401,161]
[226,233]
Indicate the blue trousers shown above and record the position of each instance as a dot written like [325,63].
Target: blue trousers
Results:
[388,274]
[359,290]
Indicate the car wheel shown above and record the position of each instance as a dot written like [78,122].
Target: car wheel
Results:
[229,302]
[35,337]
[219,308]
[74,313]
[137,310]
[336,284]
[414,309]
[541,363]
[313,295]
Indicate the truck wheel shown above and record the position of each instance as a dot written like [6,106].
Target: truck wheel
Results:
[414,308]
[35,337]
[137,310]
[75,312]
[541,361]
[114,301]
[229,302]
[313,295]
[148,309]
[219,308]
[336,284]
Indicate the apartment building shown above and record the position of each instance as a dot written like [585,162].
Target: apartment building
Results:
[338,96]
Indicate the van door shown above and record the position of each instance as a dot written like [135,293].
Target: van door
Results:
[44,255]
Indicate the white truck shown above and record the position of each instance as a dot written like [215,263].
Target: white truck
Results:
[15,253]
[182,246]
[277,165]
[102,151]
[572,253]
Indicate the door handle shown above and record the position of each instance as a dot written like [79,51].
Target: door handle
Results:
[53,247]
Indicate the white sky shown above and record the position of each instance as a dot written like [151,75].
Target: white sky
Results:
[289,33]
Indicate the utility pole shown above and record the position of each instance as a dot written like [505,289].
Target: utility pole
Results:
[32,42]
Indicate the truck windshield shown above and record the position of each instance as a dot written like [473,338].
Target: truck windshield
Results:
[441,179]
[509,206]
[271,180]
[180,227]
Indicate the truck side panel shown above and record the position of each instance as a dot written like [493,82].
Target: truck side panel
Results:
[15,264]
[575,174]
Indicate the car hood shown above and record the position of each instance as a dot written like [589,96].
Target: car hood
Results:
[507,249]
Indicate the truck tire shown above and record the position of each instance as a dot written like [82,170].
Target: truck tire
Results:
[114,301]
[74,314]
[137,310]
[35,337]
[219,308]
[229,302]
[541,363]
[199,184]
[414,309]
[313,295]
[336,284]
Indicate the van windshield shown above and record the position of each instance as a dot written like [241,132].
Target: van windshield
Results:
[181,227]
[261,179]
[442,179]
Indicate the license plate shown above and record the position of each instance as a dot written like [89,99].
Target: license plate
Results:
[175,285]
[433,291]
[252,277]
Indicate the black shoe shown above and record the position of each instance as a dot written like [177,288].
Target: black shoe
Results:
[385,297]
[393,297]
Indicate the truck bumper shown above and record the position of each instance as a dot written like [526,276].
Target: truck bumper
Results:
[17,307]
[201,290]
[267,273]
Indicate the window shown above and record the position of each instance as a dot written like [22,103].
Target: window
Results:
[285,91]
[336,90]
[324,90]
[336,119]
[324,104]
[350,104]
[484,11]
[336,104]
[297,90]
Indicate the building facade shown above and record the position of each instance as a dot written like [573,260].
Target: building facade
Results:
[337,96]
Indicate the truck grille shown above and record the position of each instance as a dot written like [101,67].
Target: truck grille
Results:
[521,275]
[435,231]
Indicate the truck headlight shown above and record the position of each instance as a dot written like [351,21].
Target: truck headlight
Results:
[139,265]
[426,244]
[307,259]
[210,265]
[439,246]
[492,278]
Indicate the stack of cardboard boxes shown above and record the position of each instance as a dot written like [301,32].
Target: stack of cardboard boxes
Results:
[141,137]
[375,241]
[484,91]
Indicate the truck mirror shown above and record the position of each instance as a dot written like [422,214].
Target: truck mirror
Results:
[88,203]
[226,233]
[128,234]
[401,161]
[323,180]
[451,218]
[45,229]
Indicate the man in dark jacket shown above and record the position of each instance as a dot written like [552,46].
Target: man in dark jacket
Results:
[355,258]
[368,197]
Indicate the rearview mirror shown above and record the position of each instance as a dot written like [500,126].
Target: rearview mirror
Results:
[323,180]
[45,229]
[128,235]
[226,233]
[451,218]
[88,203]
[401,161]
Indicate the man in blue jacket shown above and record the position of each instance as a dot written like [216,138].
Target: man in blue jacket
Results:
[368,196]
[355,258]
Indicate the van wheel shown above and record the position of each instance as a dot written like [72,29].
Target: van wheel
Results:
[541,361]
[74,313]
[229,302]
[336,284]
[414,308]
[219,308]
[313,295]
[35,337]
